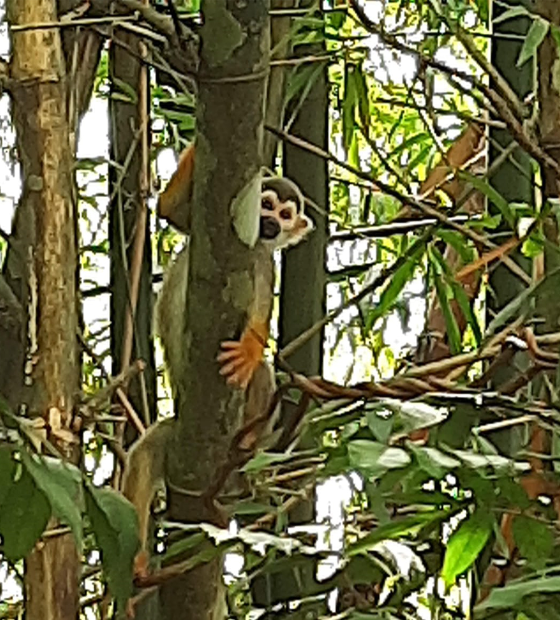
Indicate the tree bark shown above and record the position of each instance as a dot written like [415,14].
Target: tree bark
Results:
[232,81]
[44,143]
[129,226]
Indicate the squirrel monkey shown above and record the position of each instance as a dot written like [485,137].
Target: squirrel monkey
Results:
[282,223]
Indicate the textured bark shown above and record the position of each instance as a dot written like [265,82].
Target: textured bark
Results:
[303,267]
[128,212]
[43,134]
[233,71]
[302,299]
[514,187]
[81,50]
[508,181]
[281,45]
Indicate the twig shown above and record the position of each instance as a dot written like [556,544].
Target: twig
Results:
[103,396]
[160,22]
[74,23]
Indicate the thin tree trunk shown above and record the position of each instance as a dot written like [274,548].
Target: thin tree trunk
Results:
[302,297]
[515,183]
[232,81]
[43,134]
[129,226]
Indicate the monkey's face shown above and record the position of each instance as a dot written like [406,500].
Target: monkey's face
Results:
[282,221]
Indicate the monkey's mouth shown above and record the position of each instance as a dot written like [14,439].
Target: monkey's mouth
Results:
[269,228]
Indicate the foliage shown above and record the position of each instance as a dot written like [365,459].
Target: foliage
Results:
[429,449]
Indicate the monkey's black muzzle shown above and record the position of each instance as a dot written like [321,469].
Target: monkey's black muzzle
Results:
[269,228]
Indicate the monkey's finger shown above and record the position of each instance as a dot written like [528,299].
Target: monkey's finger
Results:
[232,367]
[238,377]
[226,356]
[230,344]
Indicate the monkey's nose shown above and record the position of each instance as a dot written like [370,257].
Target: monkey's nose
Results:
[270,228]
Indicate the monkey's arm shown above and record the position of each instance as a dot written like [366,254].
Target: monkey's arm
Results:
[144,473]
[175,201]
[240,358]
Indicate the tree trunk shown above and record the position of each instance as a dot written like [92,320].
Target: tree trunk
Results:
[514,181]
[129,226]
[41,120]
[302,297]
[232,81]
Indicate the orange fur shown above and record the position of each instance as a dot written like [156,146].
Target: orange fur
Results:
[241,358]
[174,201]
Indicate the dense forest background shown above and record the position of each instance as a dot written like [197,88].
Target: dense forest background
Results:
[413,470]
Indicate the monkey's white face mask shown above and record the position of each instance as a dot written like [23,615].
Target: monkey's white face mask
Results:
[282,221]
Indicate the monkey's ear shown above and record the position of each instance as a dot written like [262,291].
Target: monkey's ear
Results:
[304,224]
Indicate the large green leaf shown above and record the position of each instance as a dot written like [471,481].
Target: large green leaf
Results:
[465,544]
[395,286]
[433,461]
[534,539]
[375,458]
[7,472]
[115,524]
[444,295]
[512,594]
[535,36]
[264,459]
[398,528]
[482,185]
[61,484]
[23,517]
[349,104]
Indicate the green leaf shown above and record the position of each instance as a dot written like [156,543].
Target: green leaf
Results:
[252,508]
[349,105]
[115,524]
[178,547]
[535,36]
[466,308]
[432,460]
[465,544]
[452,328]
[301,79]
[413,415]
[457,242]
[533,246]
[398,528]
[481,461]
[61,484]
[264,459]
[392,291]
[380,426]
[362,96]
[511,594]
[511,14]
[374,457]
[533,539]
[7,473]
[483,186]
[555,31]
[23,518]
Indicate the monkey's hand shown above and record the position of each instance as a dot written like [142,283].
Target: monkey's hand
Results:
[141,564]
[240,358]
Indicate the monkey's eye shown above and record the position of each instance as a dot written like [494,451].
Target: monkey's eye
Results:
[286,214]
[267,204]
